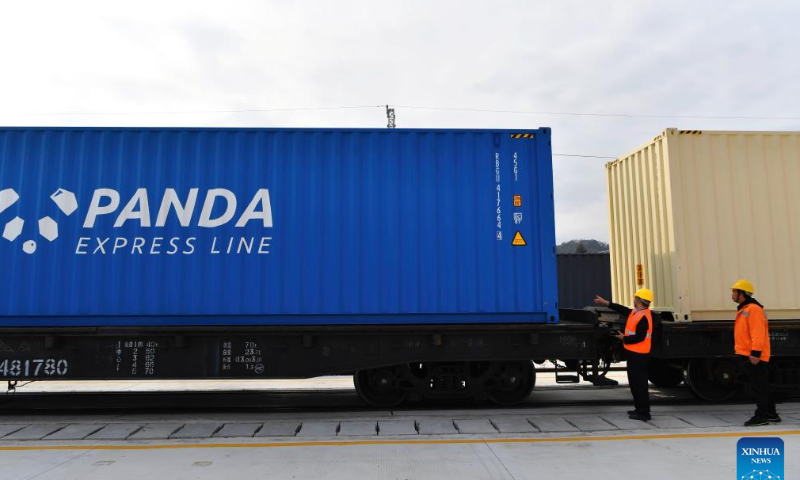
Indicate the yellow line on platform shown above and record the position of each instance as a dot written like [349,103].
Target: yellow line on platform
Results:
[401,442]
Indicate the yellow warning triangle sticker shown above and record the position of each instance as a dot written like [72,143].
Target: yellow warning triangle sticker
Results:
[518,240]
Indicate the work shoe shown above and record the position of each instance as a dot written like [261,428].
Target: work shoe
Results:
[773,418]
[633,412]
[756,422]
[640,416]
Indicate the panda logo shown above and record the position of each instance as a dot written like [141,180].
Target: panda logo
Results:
[48,228]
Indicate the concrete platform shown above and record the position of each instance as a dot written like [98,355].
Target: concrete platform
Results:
[9,429]
[622,422]
[513,424]
[700,420]
[695,453]
[75,432]
[238,430]
[116,431]
[436,426]
[668,421]
[590,423]
[388,428]
[318,429]
[279,429]
[475,426]
[35,432]
[358,429]
[156,431]
[552,424]
[453,422]
[196,430]
[533,441]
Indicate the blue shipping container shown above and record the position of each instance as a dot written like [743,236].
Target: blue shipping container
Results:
[197,226]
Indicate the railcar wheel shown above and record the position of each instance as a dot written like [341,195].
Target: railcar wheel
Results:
[379,387]
[712,380]
[664,374]
[514,382]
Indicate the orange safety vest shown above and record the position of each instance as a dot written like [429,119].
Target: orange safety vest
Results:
[751,332]
[630,330]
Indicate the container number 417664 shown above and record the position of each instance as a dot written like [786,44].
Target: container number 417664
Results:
[37,367]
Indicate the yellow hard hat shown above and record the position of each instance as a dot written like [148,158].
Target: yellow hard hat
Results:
[644,294]
[744,286]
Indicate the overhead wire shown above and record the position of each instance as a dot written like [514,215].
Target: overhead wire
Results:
[581,156]
[595,114]
[193,112]
[419,107]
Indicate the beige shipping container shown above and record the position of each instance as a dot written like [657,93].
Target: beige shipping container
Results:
[693,211]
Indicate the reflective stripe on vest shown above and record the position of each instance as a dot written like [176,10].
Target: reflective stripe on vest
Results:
[630,330]
[629,333]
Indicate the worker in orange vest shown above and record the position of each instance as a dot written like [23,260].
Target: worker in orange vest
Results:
[637,342]
[751,344]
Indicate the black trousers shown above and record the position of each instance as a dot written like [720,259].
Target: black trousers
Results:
[637,380]
[759,384]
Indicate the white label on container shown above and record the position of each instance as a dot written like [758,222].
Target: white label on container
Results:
[498,205]
[516,168]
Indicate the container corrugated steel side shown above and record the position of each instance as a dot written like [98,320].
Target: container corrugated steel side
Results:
[696,210]
[581,276]
[368,226]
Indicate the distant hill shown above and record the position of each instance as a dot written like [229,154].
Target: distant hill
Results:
[582,246]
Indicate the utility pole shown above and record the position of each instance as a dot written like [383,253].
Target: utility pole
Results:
[390,117]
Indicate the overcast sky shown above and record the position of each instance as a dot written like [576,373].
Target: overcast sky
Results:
[173,64]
